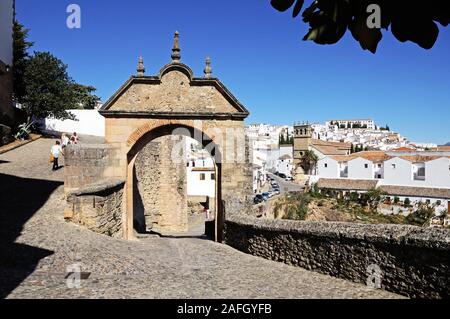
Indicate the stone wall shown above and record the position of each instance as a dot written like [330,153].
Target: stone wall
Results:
[97,207]
[414,261]
[161,193]
[86,164]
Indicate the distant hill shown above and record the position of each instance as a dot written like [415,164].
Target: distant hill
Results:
[448,144]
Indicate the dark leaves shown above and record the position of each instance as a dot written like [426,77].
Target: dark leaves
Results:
[367,38]
[298,7]
[282,5]
[422,32]
[327,20]
[410,20]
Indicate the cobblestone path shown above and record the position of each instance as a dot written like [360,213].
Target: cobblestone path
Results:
[37,245]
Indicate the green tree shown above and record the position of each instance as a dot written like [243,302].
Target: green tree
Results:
[407,202]
[411,20]
[20,56]
[309,161]
[49,91]
[84,96]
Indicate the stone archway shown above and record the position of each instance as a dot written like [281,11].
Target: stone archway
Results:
[150,135]
[149,106]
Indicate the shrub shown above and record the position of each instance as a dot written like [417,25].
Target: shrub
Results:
[420,217]
[353,197]
[296,206]
[407,202]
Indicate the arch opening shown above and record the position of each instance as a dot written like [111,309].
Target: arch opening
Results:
[167,188]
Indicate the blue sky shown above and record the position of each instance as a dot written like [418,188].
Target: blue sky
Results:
[258,54]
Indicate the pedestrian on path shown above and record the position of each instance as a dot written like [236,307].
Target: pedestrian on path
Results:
[55,152]
[74,138]
[65,141]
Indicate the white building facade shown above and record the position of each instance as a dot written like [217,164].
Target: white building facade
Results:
[416,176]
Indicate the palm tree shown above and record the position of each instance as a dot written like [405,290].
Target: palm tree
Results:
[309,161]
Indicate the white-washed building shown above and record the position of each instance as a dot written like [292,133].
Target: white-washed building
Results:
[416,176]
[201,172]
[285,165]
[7,112]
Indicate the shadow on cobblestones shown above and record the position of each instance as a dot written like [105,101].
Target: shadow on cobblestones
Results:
[20,199]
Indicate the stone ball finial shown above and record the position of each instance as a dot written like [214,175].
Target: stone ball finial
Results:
[141,67]
[176,51]
[208,68]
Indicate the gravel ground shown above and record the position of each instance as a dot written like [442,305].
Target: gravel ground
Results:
[37,246]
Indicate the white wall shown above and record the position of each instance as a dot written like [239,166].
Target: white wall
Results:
[197,187]
[332,169]
[6,31]
[437,173]
[400,175]
[357,169]
[285,167]
[90,122]
[319,154]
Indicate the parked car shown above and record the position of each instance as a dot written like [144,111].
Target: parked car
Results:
[276,191]
[265,196]
[289,179]
[258,199]
[282,175]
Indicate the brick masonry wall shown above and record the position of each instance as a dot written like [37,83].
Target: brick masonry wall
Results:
[97,207]
[161,193]
[414,261]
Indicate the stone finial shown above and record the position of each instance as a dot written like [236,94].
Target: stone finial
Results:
[176,56]
[141,68]
[208,69]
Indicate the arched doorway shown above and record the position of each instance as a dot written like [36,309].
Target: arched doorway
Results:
[177,214]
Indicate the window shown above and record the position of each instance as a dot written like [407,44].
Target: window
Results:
[394,166]
[202,177]
[366,165]
[326,165]
[213,177]
[193,163]
[379,176]
[379,165]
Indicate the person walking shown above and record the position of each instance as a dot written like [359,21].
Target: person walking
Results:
[55,152]
[74,139]
[64,141]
